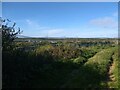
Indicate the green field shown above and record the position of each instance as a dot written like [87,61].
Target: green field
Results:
[62,63]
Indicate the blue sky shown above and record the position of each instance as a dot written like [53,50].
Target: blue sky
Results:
[64,19]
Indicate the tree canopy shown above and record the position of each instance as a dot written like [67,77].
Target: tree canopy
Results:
[9,33]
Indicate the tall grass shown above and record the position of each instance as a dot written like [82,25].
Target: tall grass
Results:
[93,74]
[114,71]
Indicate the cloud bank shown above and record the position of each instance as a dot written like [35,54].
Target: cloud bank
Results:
[105,22]
[98,27]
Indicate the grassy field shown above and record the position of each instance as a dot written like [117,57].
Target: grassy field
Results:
[93,74]
[84,63]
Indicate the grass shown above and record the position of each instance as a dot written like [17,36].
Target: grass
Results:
[114,71]
[45,66]
[94,73]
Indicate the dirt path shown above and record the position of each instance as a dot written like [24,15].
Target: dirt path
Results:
[112,78]
[110,75]
[113,72]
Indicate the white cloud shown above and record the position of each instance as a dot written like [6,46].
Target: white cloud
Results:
[98,32]
[34,25]
[34,29]
[29,21]
[55,31]
[105,22]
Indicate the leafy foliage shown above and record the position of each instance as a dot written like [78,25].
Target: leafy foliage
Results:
[8,34]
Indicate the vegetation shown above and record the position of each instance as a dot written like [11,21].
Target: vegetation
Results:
[93,74]
[114,71]
[8,34]
[58,63]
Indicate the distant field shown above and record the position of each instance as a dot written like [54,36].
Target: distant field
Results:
[62,63]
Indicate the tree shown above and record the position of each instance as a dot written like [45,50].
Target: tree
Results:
[8,34]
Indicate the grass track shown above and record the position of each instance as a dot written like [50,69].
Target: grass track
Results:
[94,72]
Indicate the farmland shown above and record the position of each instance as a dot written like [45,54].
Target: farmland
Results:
[62,63]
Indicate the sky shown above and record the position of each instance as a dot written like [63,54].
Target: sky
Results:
[64,19]
[60,1]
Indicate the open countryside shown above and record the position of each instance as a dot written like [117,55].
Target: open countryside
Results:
[60,45]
